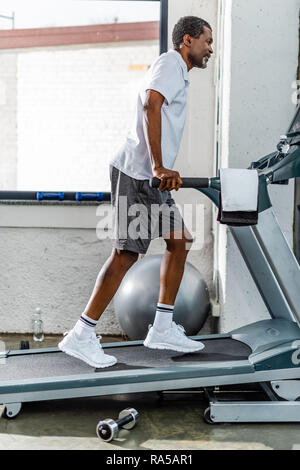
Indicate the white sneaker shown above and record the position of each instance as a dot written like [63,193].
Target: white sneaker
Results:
[89,351]
[174,338]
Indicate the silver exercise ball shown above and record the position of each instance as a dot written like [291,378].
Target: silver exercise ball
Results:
[136,299]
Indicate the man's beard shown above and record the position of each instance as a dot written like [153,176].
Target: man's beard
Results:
[196,64]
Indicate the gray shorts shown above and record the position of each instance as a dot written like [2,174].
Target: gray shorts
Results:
[140,213]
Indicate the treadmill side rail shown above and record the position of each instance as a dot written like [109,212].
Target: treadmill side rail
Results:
[255,412]
[280,357]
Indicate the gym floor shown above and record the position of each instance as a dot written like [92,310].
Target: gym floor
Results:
[174,423]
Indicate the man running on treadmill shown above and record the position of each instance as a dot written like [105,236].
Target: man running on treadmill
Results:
[150,150]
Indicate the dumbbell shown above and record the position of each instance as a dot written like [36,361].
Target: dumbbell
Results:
[108,429]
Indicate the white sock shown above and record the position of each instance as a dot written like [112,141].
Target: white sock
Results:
[84,327]
[164,317]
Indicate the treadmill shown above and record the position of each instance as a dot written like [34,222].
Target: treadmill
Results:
[264,354]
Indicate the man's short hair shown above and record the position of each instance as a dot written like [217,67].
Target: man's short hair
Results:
[191,25]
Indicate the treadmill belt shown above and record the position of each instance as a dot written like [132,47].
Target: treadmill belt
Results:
[58,364]
[225,349]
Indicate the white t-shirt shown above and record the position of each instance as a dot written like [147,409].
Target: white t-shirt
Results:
[169,76]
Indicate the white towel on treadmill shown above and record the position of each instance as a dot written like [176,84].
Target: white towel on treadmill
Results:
[239,189]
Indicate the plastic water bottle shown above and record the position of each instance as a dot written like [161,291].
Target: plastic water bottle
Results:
[37,326]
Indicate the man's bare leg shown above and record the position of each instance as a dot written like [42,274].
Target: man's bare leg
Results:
[172,265]
[108,282]
[81,342]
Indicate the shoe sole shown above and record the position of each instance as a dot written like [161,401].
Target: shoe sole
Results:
[172,348]
[90,363]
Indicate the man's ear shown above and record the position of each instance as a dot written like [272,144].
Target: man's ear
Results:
[187,41]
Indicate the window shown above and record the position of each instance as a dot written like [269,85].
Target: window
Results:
[68,85]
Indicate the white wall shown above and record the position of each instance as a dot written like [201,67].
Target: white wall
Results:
[257,109]
[55,268]
[50,258]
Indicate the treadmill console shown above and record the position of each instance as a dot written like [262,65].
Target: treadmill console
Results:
[283,164]
[283,146]
[292,136]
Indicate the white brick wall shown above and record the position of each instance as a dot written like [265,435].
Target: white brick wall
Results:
[74,107]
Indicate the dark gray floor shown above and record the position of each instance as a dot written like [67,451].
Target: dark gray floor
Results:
[173,424]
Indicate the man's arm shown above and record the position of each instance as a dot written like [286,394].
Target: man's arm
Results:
[152,129]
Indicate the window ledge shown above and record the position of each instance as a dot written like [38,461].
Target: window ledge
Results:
[21,202]
[53,214]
